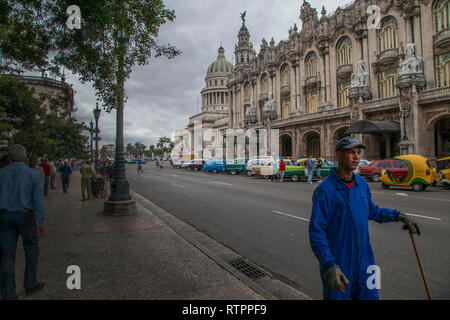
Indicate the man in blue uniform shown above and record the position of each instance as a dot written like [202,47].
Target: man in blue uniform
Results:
[339,231]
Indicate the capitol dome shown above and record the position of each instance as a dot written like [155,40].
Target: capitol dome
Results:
[219,67]
[215,93]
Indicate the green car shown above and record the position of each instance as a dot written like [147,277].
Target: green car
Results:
[236,166]
[295,173]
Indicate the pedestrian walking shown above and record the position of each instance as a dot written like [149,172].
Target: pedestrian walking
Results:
[140,168]
[304,165]
[310,167]
[110,170]
[319,164]
[339,231]
[52,175]
[65,171]
[21,206]
[274,171]
[47,171]
[282,169]
[86,183]
[32,163]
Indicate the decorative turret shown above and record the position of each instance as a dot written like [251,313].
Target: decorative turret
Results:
[244,52]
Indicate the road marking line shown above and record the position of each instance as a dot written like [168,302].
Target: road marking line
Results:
[402,194]
[227,184]
[175,175]
[177,185]
[417,215]
[289,215]
[388,194]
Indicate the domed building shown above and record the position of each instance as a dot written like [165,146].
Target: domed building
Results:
[215,102]
[215,94]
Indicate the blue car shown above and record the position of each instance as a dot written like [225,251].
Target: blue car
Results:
[214,165]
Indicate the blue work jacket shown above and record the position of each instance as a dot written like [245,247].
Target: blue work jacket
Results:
[339,229]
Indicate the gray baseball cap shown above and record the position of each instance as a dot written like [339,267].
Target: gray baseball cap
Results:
[348,143]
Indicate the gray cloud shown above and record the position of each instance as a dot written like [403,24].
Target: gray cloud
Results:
[163,95]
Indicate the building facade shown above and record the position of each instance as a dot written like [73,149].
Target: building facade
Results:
[380,73]
[57,96]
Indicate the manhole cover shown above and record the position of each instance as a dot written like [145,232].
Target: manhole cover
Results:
[247,269]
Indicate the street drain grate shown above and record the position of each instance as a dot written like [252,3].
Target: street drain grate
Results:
[247,269]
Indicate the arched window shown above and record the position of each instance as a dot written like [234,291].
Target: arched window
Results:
[441,15]
[247,91]
[264,83]
[285,109]
[442,67]
[285,75]
[312,102]
[311,64]
[387,35]
[344,51]
[343,90]
[387,81]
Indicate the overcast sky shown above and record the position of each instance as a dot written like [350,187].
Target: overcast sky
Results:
[163,95]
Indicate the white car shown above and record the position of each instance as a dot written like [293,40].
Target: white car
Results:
[255,162]
[362,163]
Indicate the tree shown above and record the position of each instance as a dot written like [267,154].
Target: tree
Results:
[25,40]
[139,149]
[130,149]
[25,121]
[164,145]
[94,52]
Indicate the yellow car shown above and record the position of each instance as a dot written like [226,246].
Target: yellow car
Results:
[418,176]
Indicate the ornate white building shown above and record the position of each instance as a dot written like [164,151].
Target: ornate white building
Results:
[342,74]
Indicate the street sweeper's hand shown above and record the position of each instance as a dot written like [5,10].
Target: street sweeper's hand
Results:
[409,223]
[335,278]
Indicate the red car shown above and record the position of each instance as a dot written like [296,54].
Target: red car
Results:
[396,167]
[197,164]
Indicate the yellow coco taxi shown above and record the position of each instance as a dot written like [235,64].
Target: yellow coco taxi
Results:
[443,167]
[418,175]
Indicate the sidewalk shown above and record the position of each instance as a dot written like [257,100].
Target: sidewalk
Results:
[134,257]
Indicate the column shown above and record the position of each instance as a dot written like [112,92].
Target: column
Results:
[328,78]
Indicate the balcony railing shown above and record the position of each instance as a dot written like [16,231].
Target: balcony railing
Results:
[434,93]
[442,38]
[381,102]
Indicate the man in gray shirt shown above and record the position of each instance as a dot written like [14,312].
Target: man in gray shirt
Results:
[21,205]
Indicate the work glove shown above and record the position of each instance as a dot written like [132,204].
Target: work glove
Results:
[409,223]
[335,278]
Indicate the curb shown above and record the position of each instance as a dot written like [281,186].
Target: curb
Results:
[269,286]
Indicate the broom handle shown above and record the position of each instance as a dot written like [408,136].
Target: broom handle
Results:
[420,266]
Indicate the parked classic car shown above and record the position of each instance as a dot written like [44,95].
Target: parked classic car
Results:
[255,162]
[214,165]
[295,173]
[373,171]
[236,166]
[135,161]
[197,164]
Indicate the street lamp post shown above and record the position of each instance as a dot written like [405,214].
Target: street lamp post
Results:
[119,201]
[91,131]
[96,111]
[404,113]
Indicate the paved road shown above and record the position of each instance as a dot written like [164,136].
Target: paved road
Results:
[267,222]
